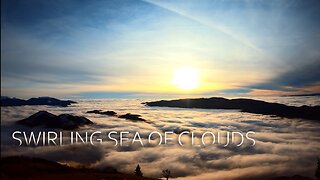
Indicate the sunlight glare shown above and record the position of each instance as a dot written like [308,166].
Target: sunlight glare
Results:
[186,78]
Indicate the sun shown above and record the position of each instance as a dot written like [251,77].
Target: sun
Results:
[186,78]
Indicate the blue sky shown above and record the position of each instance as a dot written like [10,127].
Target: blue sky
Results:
[71,48]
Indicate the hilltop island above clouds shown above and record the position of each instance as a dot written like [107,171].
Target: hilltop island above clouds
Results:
[245,105]
[7,101]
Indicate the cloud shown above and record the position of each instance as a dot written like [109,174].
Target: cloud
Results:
[86,154]
[211,24]
[106,94]
[235,91]
[244,173]
[281,144]
[27,59]
[296,77]
[133,46]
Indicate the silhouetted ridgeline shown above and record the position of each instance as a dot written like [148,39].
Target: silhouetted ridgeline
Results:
[129,116]
[35,168]
[313,94]
[7,101]
[48,120]
[19,167]
[245,105]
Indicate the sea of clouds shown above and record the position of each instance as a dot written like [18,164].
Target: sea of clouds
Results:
[283,146]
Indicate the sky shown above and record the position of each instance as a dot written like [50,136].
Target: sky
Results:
[120,48]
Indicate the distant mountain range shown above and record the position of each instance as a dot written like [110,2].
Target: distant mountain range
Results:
[314,94]
[245,105]
[7,101]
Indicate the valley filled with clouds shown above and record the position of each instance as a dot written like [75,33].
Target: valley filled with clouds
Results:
[283,146]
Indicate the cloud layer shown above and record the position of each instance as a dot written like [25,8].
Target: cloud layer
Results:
[283,146]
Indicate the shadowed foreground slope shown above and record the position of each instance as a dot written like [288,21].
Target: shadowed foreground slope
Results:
[36,168]
[19,167]
[245,105]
